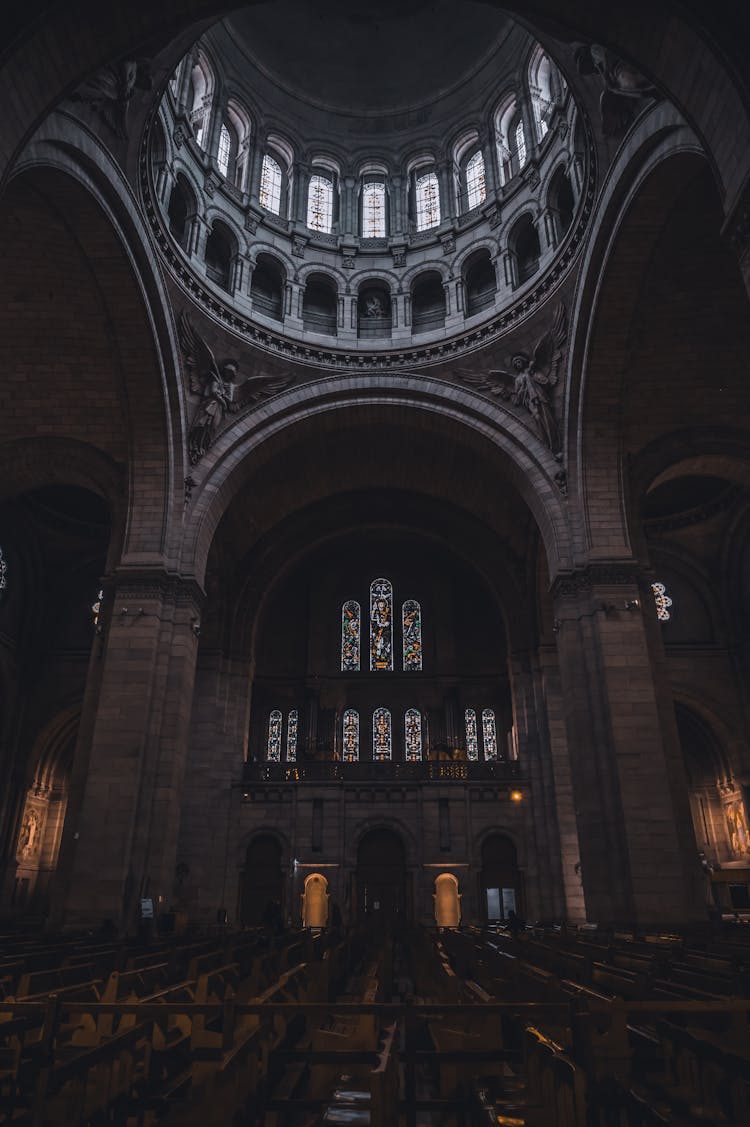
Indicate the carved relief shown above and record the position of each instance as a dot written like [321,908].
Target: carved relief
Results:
[216,388]
[29,837]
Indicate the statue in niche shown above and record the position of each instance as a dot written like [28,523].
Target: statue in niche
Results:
[374,306]
[216,387]
[624,86]
[27,838]
[531,379]
[110,90]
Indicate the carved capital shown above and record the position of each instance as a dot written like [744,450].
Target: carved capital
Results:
[606,574]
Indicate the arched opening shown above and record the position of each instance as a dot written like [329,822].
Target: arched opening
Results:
[499,878]
[374,318]
[315,902]
[261,896]
[267,287]
[427,303]
[447,901]
[381,878]
[479,282]
[320,305]
[219,251]
[524,245]
[180,211]
[561,203]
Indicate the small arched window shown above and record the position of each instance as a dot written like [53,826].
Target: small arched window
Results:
[350,736]
[413,735]
[320,204]
[219,255]
[291,735]
[427,199]
[373,209]
[381,624]
[489,734]
[476,183]
[411,617]
[350,636]
[271,179]
[273,746]
[472,741]
[382,744]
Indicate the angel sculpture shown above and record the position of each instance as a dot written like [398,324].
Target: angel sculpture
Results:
[533,378]
[215,386]
[110,91]
[624,86]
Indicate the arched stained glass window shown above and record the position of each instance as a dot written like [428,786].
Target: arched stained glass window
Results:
[320,204]
[350,635]
[273,750]
[661,598]
[225,149]
[381,735]
[381,624]
[413,735]
[489,734]
[291,736]
[269,196]
[350,736]
[373,209]
[472,742]
[411,617]
[427,191]
[476,184]
[520,143]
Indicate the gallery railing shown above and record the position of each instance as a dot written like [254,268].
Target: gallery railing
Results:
[369,771]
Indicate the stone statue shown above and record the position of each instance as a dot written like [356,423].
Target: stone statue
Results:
[623,85]
[374,306]
[216,388]
[531,379]
[110,90]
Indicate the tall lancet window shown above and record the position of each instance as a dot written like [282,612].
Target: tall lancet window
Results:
[291,736]
[373,210]
[427,192]
[273,750]
[381,735]
[413,735]
[270,185]
[521,143]
[350,635]
[411,617]
[472,742]
[320,204]
[225,150]
[476,184]
[350,736]
[489,732]
[381,624]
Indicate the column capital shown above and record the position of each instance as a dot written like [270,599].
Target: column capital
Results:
[156,583]
[614,573]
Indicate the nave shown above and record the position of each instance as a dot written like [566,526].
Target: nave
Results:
[266,1027]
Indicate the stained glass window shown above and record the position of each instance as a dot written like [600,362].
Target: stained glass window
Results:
[225,148]
[472,743]
[381,624]
[320,204]
[373,210]
[412,624]
[427,192]
[350,736]
[489,733]
[476,185]
[381,734]
[95,607]
[350,634]
[291,736]
[274,737]
[269,196]
[199,126]
[413,735]
[520,143]
[662,600]
[3,571]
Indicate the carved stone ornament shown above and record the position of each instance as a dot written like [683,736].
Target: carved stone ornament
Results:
[529,382]
[211,183]
[298,246]
[251,223]
[348,262]
[110,90]
[215,386]
[624,86]
[448,243]
[180,135]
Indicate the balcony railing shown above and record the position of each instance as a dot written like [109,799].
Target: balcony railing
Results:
[369,771]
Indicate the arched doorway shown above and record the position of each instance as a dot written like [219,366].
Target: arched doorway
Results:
[315,901]
[447,901]
[381,877]
[500,881]
[261,881]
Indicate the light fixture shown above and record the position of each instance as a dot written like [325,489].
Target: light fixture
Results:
[516,795]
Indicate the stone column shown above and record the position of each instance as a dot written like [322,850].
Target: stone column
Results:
[301,185]
[185,82]
[218,110]
[637,863]
[123,843]
[256,167]
[397,225]
[349,206]
[447,194]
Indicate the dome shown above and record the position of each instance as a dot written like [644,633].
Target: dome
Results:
[342,180]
